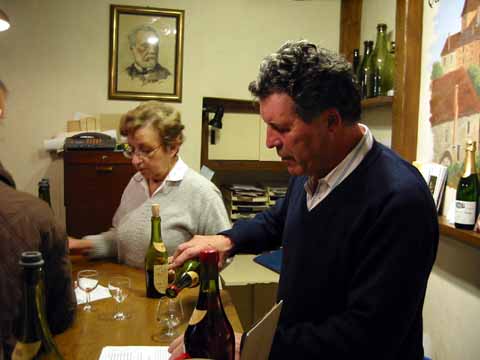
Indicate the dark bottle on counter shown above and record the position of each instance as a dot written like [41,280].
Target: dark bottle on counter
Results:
[34,339]
[365,70]
[356,60]
[156,259]
[379,62]
[467,191]
[187,276]
[44,190]
[209,333]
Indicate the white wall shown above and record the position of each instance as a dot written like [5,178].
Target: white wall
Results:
[54,60]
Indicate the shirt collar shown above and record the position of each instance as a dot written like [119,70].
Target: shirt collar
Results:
[177,173]
[346,166]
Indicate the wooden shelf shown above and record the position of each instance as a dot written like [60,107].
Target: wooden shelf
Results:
[377,102]
[467,236]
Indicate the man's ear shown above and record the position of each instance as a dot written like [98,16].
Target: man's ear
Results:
[333,117]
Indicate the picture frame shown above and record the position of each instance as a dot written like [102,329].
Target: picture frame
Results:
[146,53]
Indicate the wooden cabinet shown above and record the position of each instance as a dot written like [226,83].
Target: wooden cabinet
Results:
[94,183]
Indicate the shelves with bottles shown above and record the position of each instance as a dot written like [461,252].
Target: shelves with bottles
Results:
[466,236]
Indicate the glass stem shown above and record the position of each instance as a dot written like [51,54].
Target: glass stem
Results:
[88,300]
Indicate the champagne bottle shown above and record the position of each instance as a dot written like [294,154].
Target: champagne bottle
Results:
[44,190]
[365,70]
[379,57]
[34,339]
[467,191]
[209,333]
[156,259]
[187,276]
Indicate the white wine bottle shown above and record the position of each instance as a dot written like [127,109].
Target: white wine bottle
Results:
[34,339]
[467,191]
[156,259]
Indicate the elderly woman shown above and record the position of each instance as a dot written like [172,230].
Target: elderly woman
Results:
[189,203]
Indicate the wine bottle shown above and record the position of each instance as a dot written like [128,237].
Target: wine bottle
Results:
[467,191]
[356,60]
[34,339]
[365,70]
[378,59]
[156,259]
[209,333]
[44,190]
[187,276]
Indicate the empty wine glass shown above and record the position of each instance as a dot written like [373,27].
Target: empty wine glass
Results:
[119,287]
[169,314]
[87,281]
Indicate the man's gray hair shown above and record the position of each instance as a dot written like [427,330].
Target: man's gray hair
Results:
[316,79]
[132,37]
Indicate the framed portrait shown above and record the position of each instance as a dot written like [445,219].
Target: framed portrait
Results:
[146,53]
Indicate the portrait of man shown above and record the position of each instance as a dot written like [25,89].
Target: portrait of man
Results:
[144,43]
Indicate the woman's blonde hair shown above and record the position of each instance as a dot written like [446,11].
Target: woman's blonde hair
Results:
[162,118]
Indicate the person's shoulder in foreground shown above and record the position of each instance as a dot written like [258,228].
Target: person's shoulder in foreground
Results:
[27,223]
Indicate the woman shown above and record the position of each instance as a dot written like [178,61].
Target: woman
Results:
[189,203]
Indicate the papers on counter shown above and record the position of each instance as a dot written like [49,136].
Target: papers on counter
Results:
[100,292]
[134,353]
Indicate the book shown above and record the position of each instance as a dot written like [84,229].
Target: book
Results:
[435,176]
[271,260]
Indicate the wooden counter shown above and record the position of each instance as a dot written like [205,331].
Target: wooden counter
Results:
[92,331]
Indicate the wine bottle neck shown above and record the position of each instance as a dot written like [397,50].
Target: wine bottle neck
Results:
[156,232]
[469,164]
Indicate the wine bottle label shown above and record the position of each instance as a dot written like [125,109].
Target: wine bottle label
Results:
[25,351]
[197,316]
[194,277]
[160,277]
[159,246]
[465,212]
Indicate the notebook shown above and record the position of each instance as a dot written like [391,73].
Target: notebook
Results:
[271,260]
[257,341]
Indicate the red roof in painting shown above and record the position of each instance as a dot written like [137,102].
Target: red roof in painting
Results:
[443,93]
[470,5]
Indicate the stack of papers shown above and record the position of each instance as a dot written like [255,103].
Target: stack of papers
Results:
[100,292]
[134,353]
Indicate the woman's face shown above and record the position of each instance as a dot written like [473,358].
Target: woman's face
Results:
[149,155]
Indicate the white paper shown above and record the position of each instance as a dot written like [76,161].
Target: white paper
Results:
[100,292]
[134,353]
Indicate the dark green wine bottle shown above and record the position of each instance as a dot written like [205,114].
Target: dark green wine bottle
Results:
[156,259]
[44,190]
[209,333]
[187,276]
[467,191]
[34,339]
[379,58]
[365,70]
[356,60]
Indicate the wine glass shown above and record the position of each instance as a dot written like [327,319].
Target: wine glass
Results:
[169,313]
[87,281]
[119,287]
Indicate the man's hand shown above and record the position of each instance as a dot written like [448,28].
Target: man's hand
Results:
[192,248]
[79,246]
[177,347]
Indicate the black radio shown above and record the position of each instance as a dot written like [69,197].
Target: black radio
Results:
[89,141]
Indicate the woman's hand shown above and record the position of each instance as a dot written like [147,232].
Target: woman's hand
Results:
[79,246]
[198,243]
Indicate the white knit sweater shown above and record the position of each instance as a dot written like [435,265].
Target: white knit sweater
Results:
[188,207]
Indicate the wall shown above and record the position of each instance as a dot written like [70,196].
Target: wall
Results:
[54,60]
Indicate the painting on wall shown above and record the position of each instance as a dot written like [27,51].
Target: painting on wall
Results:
[146,53]
[450,82]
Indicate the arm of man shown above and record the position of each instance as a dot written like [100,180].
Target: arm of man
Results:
[61,301]
[383,304]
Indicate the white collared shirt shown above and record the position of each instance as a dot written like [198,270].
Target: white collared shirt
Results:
[340,172]
[138,191]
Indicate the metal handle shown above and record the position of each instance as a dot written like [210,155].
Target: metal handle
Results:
[104,168]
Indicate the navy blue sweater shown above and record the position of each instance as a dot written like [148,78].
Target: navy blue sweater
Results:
[355,268]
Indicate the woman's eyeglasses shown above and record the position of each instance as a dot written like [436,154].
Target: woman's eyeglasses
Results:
[129,152]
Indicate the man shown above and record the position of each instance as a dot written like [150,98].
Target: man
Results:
[27,223]
[144,44]
[358,225]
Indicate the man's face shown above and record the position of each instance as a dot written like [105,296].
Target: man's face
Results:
[145,50]
[305,148]
[2,103]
